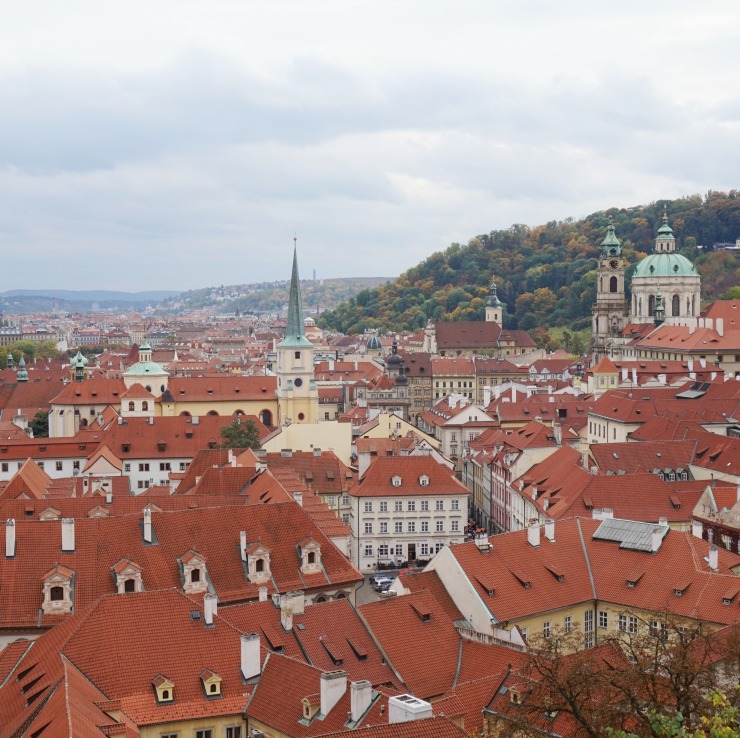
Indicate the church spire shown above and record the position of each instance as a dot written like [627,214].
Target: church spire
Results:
[294,333]
[611,245]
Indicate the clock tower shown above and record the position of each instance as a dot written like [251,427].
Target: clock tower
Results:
[297,394]
[609,313]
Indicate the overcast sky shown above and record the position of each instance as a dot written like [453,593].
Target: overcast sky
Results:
[177,144]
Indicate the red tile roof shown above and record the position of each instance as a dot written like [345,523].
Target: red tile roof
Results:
[377,478]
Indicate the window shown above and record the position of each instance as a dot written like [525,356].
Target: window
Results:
[195,575]
[368,506]
[368,550]
[425,549]
[331,500]
[76,465]
[345,501]
[169,735]
[411,507]
[588,628]
[399,549]
[165,466]
[412,527]
[456,504]
[40,464]
[657,629]
[345,518]
[438,547]
[455,526]
[632,626]
[398,526]
[524,632]
[546,629]
[384,527]
[205,733]
[56,594]
[144,467]
[59,466]
[383,507]
[622,623]
[568,623]
[439,504]
[5,466]
[368,528]
[425,505]
[383,549]
[235,732]
[398,507]
[425,526]
[440,526]
[603,619]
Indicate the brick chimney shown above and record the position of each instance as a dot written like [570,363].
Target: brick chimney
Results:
[533,535]
[68,535]
[10,538]
[250,655]
[333,687]
[361,697]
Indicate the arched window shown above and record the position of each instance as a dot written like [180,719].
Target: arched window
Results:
[612,284]
[266,418]
[185,413]
[145,405]
[320,599]
[131,406]
[83,422]
[341,596]
[212,412]
[311,557]
[129,585]
[56,594]
[651,305]
[676,305]
[195,575]
[213,688]
[239,413]
[259,565]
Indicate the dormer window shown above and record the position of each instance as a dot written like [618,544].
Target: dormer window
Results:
[58,590]
[396,481]
[164,689]
[211,684]
[193,573]
[258,563]
[310,556]
[424,480]
[128,577]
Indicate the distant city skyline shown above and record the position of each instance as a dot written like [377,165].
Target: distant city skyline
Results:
[182,145]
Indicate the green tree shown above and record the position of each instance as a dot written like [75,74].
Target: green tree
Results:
[40,424]
[240,434]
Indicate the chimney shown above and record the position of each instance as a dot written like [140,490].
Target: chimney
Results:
[550,530]
[584,458]
[486,396]
[634,375]
[333,687]
[625,375]
[68,535]
[232,458]
[10,538]
[656,539]
[405,707]
[697,529]
[298,497]
[243,544]
[262,594]
[147,525]
[361,697]
[533,535]
[317,452]
[209,608]
[720,326]
[108,497]
[297,600]
[250,655]
[713,558]
[663,521]
[286,613]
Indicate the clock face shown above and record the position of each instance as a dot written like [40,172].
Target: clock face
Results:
[614,263]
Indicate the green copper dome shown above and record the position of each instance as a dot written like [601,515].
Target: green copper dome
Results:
[374,343]
[665,265]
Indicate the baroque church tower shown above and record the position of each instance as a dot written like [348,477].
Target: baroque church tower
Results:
[609,313]
[297,394]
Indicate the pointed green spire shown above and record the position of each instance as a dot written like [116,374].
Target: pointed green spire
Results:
[493,300]
[611,245]
[294,333]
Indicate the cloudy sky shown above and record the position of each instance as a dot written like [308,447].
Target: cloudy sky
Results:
[177,144]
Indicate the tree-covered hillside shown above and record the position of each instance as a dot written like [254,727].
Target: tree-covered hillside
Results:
[546,275]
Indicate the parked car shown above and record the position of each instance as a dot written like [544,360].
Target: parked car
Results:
[381,581]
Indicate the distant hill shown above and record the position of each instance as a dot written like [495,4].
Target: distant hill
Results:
[272,297]
[545,274]
[79,300]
